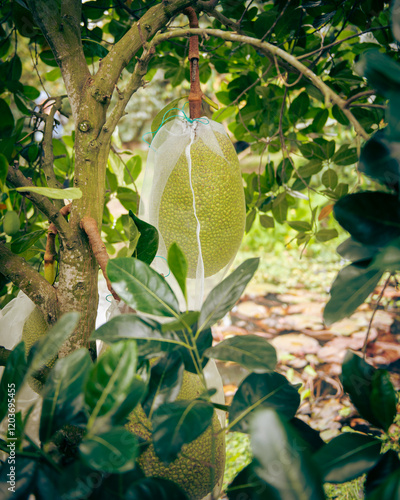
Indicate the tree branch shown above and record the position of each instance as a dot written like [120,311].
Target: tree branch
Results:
[28,280]
[330,95]
[47,144]
[62,32]
[123,51]
[17,179]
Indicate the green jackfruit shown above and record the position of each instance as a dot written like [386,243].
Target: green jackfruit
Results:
[35,326]
[11,223]
[200,465]
[220,206]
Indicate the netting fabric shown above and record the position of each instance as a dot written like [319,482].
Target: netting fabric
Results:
[193,194]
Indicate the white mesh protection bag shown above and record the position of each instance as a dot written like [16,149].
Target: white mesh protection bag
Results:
[193,194]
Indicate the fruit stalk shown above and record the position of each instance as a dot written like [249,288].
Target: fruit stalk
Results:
[195,94]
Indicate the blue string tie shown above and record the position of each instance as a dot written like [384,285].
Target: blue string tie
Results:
[205,121]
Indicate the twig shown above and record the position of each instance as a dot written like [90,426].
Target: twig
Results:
[337,42]
[47,142]
[17,179]
[364,349]
[355,97]
[268,48]
[89,225]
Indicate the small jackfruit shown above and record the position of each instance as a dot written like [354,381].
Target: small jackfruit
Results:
[200,465]
[34,327]
[220,206]
[11,223]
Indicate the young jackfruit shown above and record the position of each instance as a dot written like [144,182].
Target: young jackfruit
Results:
[35,326]
[219,201]
[200,465]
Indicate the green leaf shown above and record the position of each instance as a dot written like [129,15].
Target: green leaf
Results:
[225,295]
[381,71]
[279,208]
[347,456]
[388,259]
[310,436]
[383,399]
[113,450]
[128,198]
[339,115]
[164,113]
[379,159]
[390,489]
[299,107]
[299,225]
[311,168]
[63,394]
[267,390]
[3,169]
[294,475]
[341,190]
[22,243]
[326,234]
[247,485]
[352,250]
[345,156]
[370,390]
[55,194]
[388,463]
[349,290]
[330,178]
[7,120]
[179,423]
[150,488]
[141,287]
[47,57]
[320,120]
[133,235]
[53,75]
[251,351]
[49,345]
[147,246]
[165,382]
[134,166]
[110,379]
[31,93]
[12,378]
[178,266]
[267,221]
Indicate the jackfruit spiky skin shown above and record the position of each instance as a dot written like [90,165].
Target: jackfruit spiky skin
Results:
[35,326]
[220,206]
[200,465]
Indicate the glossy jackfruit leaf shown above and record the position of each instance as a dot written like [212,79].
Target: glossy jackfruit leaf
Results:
[266,390]
[147,245]
[348,456]
[225,295]
[49,345]
[294,474]
[141,287]
[63,394]
[111,450]
[55,194]
[349,290]
[110,379]
[179,423]
[251,351]
[13,376]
